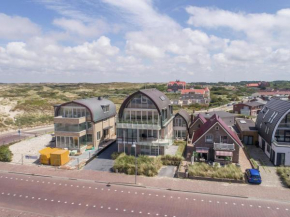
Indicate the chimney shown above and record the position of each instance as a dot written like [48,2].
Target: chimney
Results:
[99,98]
[191,118]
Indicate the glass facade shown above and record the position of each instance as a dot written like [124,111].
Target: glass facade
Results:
[72,127]
[141,116]
[135,135]
[73,112]
[179,122]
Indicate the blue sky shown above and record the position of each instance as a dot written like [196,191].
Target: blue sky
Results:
[144,40]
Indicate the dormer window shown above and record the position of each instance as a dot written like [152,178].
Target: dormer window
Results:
[105,108]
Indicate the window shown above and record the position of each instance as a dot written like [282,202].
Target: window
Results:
[105,108]
[224,139]
[209,138]
[99,135]
[144,100]
[217,128]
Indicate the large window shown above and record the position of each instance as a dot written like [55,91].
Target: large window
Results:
[224,139]
[106,108]
[73,112]
[67,142]
[70,127]
[209,138]
[140,101]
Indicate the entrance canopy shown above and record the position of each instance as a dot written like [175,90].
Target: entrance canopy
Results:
[202,150]
[224,153]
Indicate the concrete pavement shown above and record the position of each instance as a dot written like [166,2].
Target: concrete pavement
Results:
[62,197]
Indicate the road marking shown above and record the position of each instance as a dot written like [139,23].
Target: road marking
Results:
[83,186]
[251,205]
[286,209]
[277,208]
[132,211]
[96,188]
[58,201]
[101,207]
[209,201]
[72,203]
[87,205]
[80,204]
[242,204]
[140,212]
[259,206]
[226,202]
[156,195]
[117,209]
[65,202]
[268,207]
[124,210]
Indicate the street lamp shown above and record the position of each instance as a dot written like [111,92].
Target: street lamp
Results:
[134,145]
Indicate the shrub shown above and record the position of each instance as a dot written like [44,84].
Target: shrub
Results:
[230,171]
[181,149]
[115,155]
[284,173]
[171,160]
[254,163]
[5,154]
[147,166]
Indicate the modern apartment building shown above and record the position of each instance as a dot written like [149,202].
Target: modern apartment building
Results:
[273,124]
[145,119]
[84,122]
[181,124]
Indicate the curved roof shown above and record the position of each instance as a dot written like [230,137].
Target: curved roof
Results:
[270,116]
[159,99]
[184,114]
[94,105]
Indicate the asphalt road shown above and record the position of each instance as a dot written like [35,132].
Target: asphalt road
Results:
[7,138]
[47,196]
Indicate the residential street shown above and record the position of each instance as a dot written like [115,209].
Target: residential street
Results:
[7,138]
[63,197]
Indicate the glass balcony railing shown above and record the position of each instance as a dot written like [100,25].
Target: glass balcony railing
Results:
[150,122]
[284,125]
[70,127]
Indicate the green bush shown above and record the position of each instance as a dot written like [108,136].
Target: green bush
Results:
[5,154]
[181,148]
[171,160]
[254,163]
[147,166]
[114,155]
[230,171]
[284,173]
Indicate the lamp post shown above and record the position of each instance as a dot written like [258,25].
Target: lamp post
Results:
[134,145]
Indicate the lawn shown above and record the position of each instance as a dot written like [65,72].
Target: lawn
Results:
[284,173]
[230,171]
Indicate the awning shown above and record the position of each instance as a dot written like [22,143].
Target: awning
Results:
[223,153]
[106,128]
[202,150]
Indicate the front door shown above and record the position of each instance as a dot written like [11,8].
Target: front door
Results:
[263,145]
[272,156]
[250,140]
[280,159]
[245,140]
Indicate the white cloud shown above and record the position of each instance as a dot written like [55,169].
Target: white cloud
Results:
[15,27]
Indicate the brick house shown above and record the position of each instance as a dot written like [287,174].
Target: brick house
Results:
[215,141]
[248,108]
[176,86]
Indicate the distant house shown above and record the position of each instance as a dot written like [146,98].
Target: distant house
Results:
[215,141]
[247,131]
[176,86]
[181,123]
[248,108]
[84,122]
[145,119]
[228,118]
[273,124]
[192,96]
[259,84]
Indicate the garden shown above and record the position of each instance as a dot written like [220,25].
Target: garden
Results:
[216,171]
[284,173]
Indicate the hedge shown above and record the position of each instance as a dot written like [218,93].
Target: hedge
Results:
[5,154]
[284,173]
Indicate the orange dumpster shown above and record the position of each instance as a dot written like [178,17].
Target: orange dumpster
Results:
[59,157]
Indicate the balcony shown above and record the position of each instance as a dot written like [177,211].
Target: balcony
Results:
[69,120]
[223,146]
[154,125]
[147,141]
[284,125]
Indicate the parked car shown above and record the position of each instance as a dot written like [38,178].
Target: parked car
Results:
[253,176]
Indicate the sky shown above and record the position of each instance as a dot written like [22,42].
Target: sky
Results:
[100,41]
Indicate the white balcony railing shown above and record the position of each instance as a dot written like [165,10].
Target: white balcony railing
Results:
[224,146]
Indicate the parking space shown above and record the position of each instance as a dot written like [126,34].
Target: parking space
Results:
[103,161]
[267,169]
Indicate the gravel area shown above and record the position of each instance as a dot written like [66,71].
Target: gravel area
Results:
[29,147]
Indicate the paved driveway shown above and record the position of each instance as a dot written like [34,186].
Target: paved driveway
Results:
[167,171]
[103,162]
[267,169]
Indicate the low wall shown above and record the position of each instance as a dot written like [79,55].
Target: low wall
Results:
[215,179]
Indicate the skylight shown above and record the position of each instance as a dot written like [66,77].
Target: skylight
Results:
[162,98]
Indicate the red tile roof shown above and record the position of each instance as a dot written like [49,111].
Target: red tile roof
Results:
[177,82]
[212,121]
[197,91]
[199,116]
[253,85]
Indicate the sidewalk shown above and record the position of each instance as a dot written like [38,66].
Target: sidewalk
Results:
[243,190]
